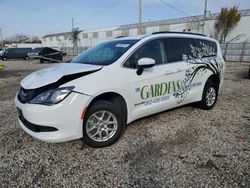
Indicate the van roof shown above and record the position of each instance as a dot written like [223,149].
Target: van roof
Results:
[179,34]
[175,32]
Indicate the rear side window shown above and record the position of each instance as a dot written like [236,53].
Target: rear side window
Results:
[50,50]
[204,48]
[178,48]
[46,51]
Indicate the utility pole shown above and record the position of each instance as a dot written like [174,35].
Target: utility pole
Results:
[204,18]
[1,35]
[72,24]
[72,35]
[140,17]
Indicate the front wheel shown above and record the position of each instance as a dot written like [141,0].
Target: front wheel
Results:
[103,124]
[210,95]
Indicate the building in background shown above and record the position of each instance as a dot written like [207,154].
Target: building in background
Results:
[89,38]
[57,40]
[92,37]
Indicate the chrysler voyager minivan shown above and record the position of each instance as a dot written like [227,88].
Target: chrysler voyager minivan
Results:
[114,83]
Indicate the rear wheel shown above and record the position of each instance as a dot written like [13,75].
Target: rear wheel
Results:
[210,95]
[4,59]
[103,124]
[26,58]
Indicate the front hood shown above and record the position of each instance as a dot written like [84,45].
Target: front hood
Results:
[62,73]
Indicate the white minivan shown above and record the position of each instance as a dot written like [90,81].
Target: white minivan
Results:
[114,83]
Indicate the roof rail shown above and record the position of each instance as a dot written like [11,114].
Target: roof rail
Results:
[176,32]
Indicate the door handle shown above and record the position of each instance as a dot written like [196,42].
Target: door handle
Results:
[168,72]
[173,72]
[180,70]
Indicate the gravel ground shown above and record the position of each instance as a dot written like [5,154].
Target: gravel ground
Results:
[184,147]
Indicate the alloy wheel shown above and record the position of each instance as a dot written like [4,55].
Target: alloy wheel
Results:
[210,96]
[101,126]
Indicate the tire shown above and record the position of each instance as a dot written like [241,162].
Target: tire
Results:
[4,59]
[249,73]
[209,97]
[27,58]
[96,132]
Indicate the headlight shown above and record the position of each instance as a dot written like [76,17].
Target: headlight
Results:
[52,96]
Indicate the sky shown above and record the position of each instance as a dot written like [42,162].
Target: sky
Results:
[41,17]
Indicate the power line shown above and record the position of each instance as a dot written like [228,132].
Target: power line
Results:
[93,16]
[100,12]
[198,7]
[171,6]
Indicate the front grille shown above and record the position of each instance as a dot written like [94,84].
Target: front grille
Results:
[25,95]
[33,127]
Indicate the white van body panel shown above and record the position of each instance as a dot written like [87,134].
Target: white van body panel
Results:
[52,74]
[159,88]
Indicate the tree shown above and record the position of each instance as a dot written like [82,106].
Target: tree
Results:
[22,38]
[35,39]
[225,22]
[18,38]
[74,36]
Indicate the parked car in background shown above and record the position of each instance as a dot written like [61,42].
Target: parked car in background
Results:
[249,73]
[46,54]
[15,53]
[1,50]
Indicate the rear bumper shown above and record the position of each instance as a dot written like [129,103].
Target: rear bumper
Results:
[57,123]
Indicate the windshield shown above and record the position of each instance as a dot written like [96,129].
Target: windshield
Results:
[3,50]
[105,53]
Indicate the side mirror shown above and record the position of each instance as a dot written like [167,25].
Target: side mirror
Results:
[144,63]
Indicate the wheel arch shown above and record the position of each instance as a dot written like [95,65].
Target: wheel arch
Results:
[114,98]
[212,79]
[215,79]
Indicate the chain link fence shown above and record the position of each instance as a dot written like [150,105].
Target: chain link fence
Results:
[236,51]
[73,51]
